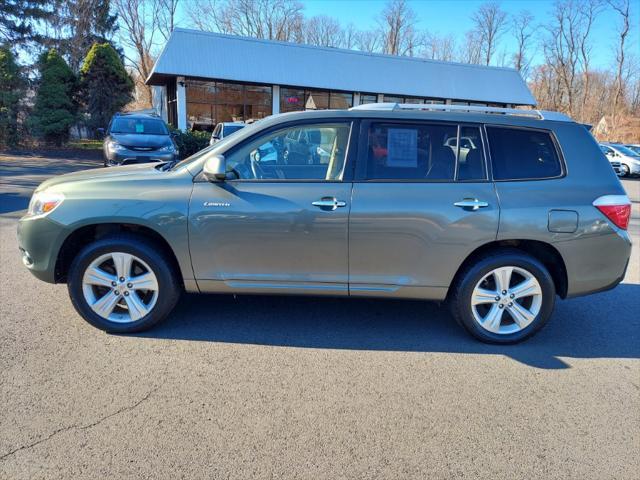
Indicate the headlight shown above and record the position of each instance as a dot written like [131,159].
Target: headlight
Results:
[115,147]
[43,203]
[167,148]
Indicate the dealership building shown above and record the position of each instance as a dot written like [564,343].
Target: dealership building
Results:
[203,78]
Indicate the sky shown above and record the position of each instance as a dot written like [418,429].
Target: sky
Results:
[453,17]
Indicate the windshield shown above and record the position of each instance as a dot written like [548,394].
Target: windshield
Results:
[146,126]
[626,151]
[229,129]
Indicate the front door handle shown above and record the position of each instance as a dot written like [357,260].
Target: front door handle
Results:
[471,203]
[329,203]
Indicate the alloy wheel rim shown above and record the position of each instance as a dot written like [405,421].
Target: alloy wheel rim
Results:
[506,300]
[120,287]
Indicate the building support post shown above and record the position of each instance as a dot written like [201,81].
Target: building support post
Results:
[275,99]
[380,97]
[181,103]
[356,99]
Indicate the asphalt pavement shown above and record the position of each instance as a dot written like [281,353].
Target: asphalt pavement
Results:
[309,388]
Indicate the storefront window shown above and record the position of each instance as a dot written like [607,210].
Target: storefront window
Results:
[392,99]
[317,100]
[209,103]
[368,98]
[295,99]
[291,99]
[340,100]
[414,100]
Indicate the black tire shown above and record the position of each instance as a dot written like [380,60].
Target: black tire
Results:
[169,287]
[625,171]
[460,298]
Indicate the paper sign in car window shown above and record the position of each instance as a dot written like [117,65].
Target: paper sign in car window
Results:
[402,148]
[139,128]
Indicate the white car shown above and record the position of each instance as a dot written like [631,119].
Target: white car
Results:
[628,159]
[635,147]
[224,129]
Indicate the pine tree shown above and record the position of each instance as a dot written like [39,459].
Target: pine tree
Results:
[18,19]
[105,84]
[55,109]
[87,22]
[11,90]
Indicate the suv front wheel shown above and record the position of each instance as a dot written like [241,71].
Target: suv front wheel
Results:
[504,297]
[121,284]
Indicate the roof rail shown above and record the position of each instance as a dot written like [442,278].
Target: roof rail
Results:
[147,111]
[397,107]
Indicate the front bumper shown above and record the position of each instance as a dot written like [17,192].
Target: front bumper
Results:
[127,157]
[39,241]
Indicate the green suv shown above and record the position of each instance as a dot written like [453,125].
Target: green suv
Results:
[495,211]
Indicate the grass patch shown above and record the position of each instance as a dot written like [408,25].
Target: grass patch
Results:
[85,144]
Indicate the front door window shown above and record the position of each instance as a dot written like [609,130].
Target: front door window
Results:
[309,152]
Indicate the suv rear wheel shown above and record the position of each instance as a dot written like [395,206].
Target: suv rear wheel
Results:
[504,297]
[120,284]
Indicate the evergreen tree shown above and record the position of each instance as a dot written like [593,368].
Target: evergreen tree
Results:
[18,17]
[11,90]
[55,109]
[105,84]
[86,22]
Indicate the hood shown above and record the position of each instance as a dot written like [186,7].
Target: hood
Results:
[141,140]
[141,171]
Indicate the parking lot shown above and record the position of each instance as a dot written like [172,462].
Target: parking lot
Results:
[293,387]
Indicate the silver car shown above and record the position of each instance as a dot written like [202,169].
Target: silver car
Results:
[530,211]
[627,159]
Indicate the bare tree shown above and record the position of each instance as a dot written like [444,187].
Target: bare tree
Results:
[490,22]
[398,29]
[622,8]
[589,9]
[138,26]
[323,31]
[166,16]
[470,50]
[439,48]
[268,19]
[522,28]
[350,38]
[369,41]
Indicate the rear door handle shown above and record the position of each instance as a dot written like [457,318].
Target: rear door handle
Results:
[471,203]
[329,203]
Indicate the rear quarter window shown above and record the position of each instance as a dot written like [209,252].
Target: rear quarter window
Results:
[521,154]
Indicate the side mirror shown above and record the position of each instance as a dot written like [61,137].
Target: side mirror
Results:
[215,168]
[173,134]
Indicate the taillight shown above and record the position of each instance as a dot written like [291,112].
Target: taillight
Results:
[617,208]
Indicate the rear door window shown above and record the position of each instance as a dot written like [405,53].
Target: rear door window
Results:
[522,154]
[424,152]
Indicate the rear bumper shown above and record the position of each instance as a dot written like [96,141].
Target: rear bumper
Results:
[595,264]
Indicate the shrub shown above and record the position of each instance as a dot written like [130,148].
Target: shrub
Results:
[190,142]
[55,109]
[106,87]
[11,91]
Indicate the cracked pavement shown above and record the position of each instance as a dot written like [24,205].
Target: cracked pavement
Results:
[308,388]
